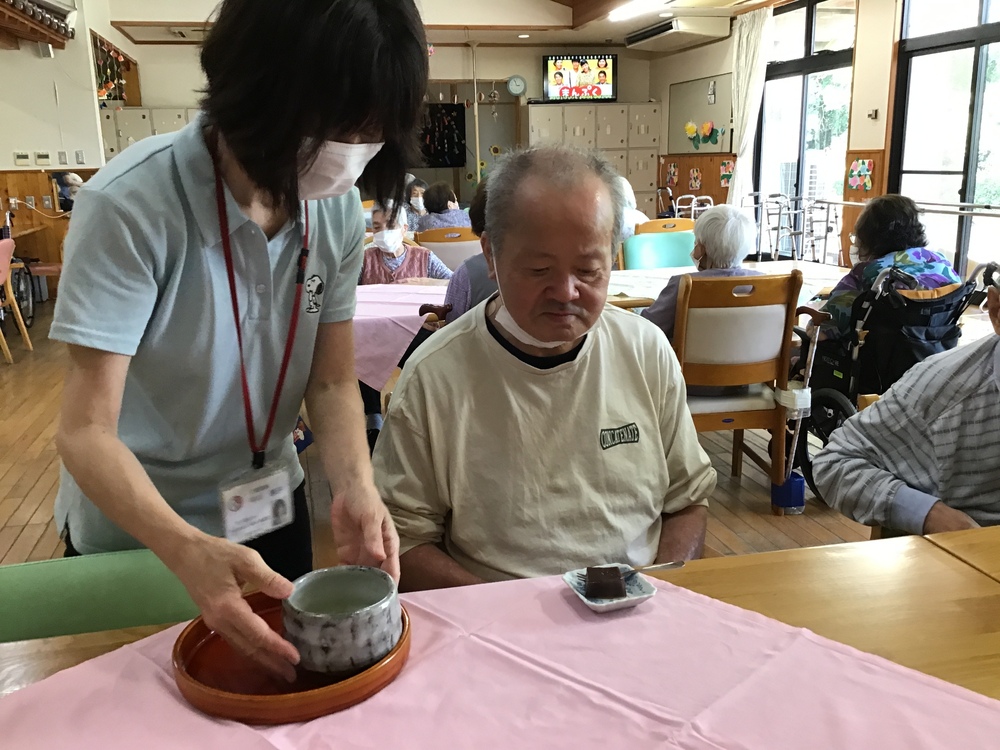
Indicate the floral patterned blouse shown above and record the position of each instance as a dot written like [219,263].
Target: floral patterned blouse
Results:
[931,270]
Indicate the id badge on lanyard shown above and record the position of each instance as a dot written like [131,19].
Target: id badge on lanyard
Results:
[259,500]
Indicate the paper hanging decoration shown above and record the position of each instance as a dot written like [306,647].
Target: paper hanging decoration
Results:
[694,179]
[726,172]
[672,174]
[860,175]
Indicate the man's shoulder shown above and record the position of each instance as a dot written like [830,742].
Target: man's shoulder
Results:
[632,331]
[948,379]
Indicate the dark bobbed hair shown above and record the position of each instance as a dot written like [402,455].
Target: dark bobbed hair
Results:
[888,224]
[437,196]
[477,210]
[415,184]
[277,90]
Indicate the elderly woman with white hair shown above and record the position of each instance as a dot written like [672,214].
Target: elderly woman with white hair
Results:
[631,215]
[723,237]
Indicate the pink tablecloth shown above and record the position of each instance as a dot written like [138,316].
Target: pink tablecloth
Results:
[385,323]
[524,665]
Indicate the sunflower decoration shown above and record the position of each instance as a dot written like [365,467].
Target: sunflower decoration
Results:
[495,150]
[469,177]
[482,165]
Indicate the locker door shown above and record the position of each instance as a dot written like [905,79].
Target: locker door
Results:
[644,126]
[134,124]
[620,161]
[646,202]
[642,166]
[612,126]
[168,120]
[109,133]
[545,124]
[579,124]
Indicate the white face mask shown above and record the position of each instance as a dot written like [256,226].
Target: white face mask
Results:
[337,167]
[507,322]
[418,204]
[855,258]
[389,241]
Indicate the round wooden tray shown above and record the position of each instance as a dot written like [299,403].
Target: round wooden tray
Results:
[219,681]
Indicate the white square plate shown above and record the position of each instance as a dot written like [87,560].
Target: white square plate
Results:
[637,589]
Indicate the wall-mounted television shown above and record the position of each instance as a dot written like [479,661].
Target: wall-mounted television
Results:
[570,78]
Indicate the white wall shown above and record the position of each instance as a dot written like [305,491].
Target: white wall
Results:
[872,70]
[711,60]
[500,63]
[170,75]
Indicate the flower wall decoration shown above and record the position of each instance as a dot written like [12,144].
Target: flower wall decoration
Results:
[706,133]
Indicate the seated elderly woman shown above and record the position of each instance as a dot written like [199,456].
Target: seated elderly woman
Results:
[442,209]
[631,215]
[471,283]
[389,260]
[415,188]
[887,234]
[723,237]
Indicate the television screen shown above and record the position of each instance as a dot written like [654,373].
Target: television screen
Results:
[580,77]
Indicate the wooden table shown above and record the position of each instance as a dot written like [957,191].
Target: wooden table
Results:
[25,662]
[18,234]
[979,548]
[905,599]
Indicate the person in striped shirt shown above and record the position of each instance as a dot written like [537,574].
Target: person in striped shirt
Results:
[924,458]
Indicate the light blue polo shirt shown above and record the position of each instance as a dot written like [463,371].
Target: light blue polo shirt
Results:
[145,276]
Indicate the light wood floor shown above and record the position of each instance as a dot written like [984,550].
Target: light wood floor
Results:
[740,517]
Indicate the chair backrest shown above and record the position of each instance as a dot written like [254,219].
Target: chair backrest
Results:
[452,245]
[6,253]
[665,225]
[736,330]
[368,205]
[658,250]
[89,593]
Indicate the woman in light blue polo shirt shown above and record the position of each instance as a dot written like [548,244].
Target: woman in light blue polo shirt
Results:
[209,286]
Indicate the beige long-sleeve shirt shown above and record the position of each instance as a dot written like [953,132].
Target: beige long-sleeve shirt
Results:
[525,472]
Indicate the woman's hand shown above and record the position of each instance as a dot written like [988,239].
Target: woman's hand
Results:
[215,571]
[364,531]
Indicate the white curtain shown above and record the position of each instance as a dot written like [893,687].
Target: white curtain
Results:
[751,45]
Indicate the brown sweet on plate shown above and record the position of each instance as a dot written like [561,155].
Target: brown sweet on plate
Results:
[604,583]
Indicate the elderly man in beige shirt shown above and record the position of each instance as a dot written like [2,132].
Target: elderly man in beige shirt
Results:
[544,430]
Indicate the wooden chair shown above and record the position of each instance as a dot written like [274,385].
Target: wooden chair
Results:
[6,253]
[630,303]
[665,225]
[737,331]
[453,245]
[658,250]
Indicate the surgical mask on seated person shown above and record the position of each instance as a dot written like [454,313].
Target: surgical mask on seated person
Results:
[417,203]
[338,166]
[506,321]
[389,241]
[855,256]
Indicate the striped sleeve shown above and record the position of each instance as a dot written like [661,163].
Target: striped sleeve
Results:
[861,471]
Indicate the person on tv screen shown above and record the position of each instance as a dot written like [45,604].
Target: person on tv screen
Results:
[587,77]
[557,82]
[602,78]
[602,63]
[557,64]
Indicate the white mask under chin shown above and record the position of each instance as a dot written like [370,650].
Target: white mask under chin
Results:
[507,322]
[337,167]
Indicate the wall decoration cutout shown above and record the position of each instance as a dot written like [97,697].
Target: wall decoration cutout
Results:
[860,175]
[442,139]
[726,172]
[672,174]
[706,133]
[694,179]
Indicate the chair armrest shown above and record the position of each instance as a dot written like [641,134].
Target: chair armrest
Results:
[815,316]
[439,310]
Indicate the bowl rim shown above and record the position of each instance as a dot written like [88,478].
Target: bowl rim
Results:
[307,578]
[181,673]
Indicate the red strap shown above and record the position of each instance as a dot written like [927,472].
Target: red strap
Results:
[258,449]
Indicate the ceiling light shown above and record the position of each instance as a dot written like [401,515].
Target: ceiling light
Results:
[523,36]
[634,9]
[666,15]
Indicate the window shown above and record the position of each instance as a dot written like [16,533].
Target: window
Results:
[923,17]
[835,22]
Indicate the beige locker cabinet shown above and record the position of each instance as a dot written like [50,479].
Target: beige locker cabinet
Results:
[168,120]
[134,124]
[545,124]
[109,133]
[619,159]
[612,126]
[646,202]
[642,167]
[644,125]
[579,124]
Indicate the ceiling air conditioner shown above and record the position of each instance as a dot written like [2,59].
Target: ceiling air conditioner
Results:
[187,33]
[679,33]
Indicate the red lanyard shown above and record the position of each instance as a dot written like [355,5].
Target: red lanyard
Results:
[258,449]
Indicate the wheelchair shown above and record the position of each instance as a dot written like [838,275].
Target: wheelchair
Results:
[894,325]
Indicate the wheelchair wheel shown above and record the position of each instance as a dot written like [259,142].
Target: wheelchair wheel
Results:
[830,409]
[24,294]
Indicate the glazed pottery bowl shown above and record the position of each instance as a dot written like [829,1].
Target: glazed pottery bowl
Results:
[343,620]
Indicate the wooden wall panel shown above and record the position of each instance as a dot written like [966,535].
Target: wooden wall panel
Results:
[849,214]
[44,244]
[709,164]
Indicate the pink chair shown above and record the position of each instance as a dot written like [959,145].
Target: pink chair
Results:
[6,253]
